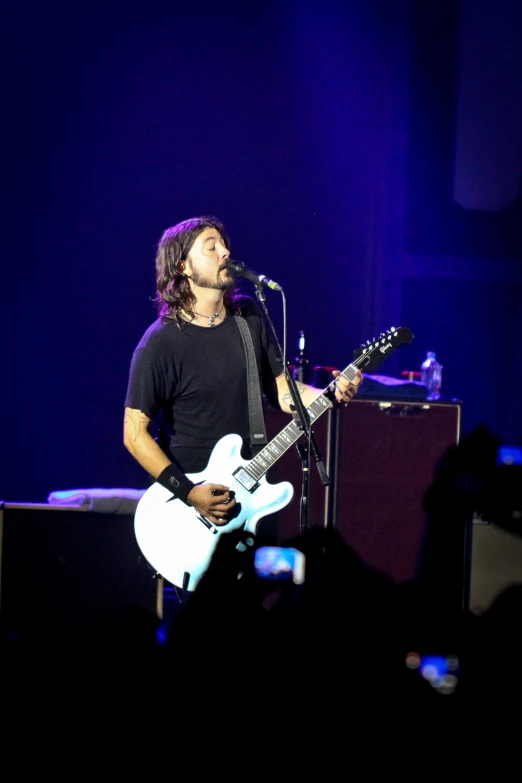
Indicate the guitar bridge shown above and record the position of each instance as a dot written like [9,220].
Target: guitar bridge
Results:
[247,481]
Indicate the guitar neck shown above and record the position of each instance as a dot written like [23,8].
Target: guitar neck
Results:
[269,455]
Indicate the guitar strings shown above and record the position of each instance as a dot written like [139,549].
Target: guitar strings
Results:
[356,363]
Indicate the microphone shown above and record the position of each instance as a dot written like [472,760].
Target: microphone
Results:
[240,270]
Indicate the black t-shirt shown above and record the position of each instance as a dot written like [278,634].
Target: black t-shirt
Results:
[194,379]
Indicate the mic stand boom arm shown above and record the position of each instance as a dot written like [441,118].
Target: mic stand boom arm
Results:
[303,421]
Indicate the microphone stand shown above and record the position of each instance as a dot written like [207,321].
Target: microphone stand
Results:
[302,419]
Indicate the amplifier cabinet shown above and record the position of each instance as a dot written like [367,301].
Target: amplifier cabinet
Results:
[381,457]
[67,568]
[387,452]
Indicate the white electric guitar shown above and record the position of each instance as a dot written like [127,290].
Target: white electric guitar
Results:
[178,542]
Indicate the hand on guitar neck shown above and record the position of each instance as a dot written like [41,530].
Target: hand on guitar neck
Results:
[340,394]
[345,390]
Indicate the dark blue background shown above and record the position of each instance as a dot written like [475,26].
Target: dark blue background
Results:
[321,134]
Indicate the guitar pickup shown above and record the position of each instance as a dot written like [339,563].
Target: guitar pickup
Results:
[247,481]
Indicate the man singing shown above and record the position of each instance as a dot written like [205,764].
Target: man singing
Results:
[190,367]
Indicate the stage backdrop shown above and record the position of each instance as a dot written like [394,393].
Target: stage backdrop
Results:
[354,150]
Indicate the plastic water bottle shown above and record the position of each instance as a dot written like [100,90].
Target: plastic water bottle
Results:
[431,375]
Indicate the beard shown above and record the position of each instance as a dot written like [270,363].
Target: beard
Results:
[220,284]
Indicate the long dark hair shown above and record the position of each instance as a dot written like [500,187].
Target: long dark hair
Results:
[173,289]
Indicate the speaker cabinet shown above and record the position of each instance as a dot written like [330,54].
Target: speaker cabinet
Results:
[386,456]
[381,456]
[68,567]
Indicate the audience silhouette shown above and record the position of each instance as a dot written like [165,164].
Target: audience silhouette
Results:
[254,657]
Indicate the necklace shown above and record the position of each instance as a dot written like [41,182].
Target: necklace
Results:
[211,318]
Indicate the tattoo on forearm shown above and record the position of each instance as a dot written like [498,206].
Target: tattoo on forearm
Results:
[287,397]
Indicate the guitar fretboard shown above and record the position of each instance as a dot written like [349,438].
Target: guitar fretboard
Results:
[258,466]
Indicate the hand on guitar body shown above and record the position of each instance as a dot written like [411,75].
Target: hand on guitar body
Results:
[213,501]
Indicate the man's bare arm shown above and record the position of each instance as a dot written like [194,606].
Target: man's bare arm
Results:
[308,393]
[344,390]
[141,444]
[214,501]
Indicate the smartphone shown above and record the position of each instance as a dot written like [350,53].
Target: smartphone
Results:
[281,564]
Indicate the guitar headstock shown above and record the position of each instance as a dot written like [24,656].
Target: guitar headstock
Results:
[371,354]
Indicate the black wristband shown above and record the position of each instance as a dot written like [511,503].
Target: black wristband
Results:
[173,479]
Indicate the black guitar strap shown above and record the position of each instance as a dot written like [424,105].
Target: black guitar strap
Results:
[255,406]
